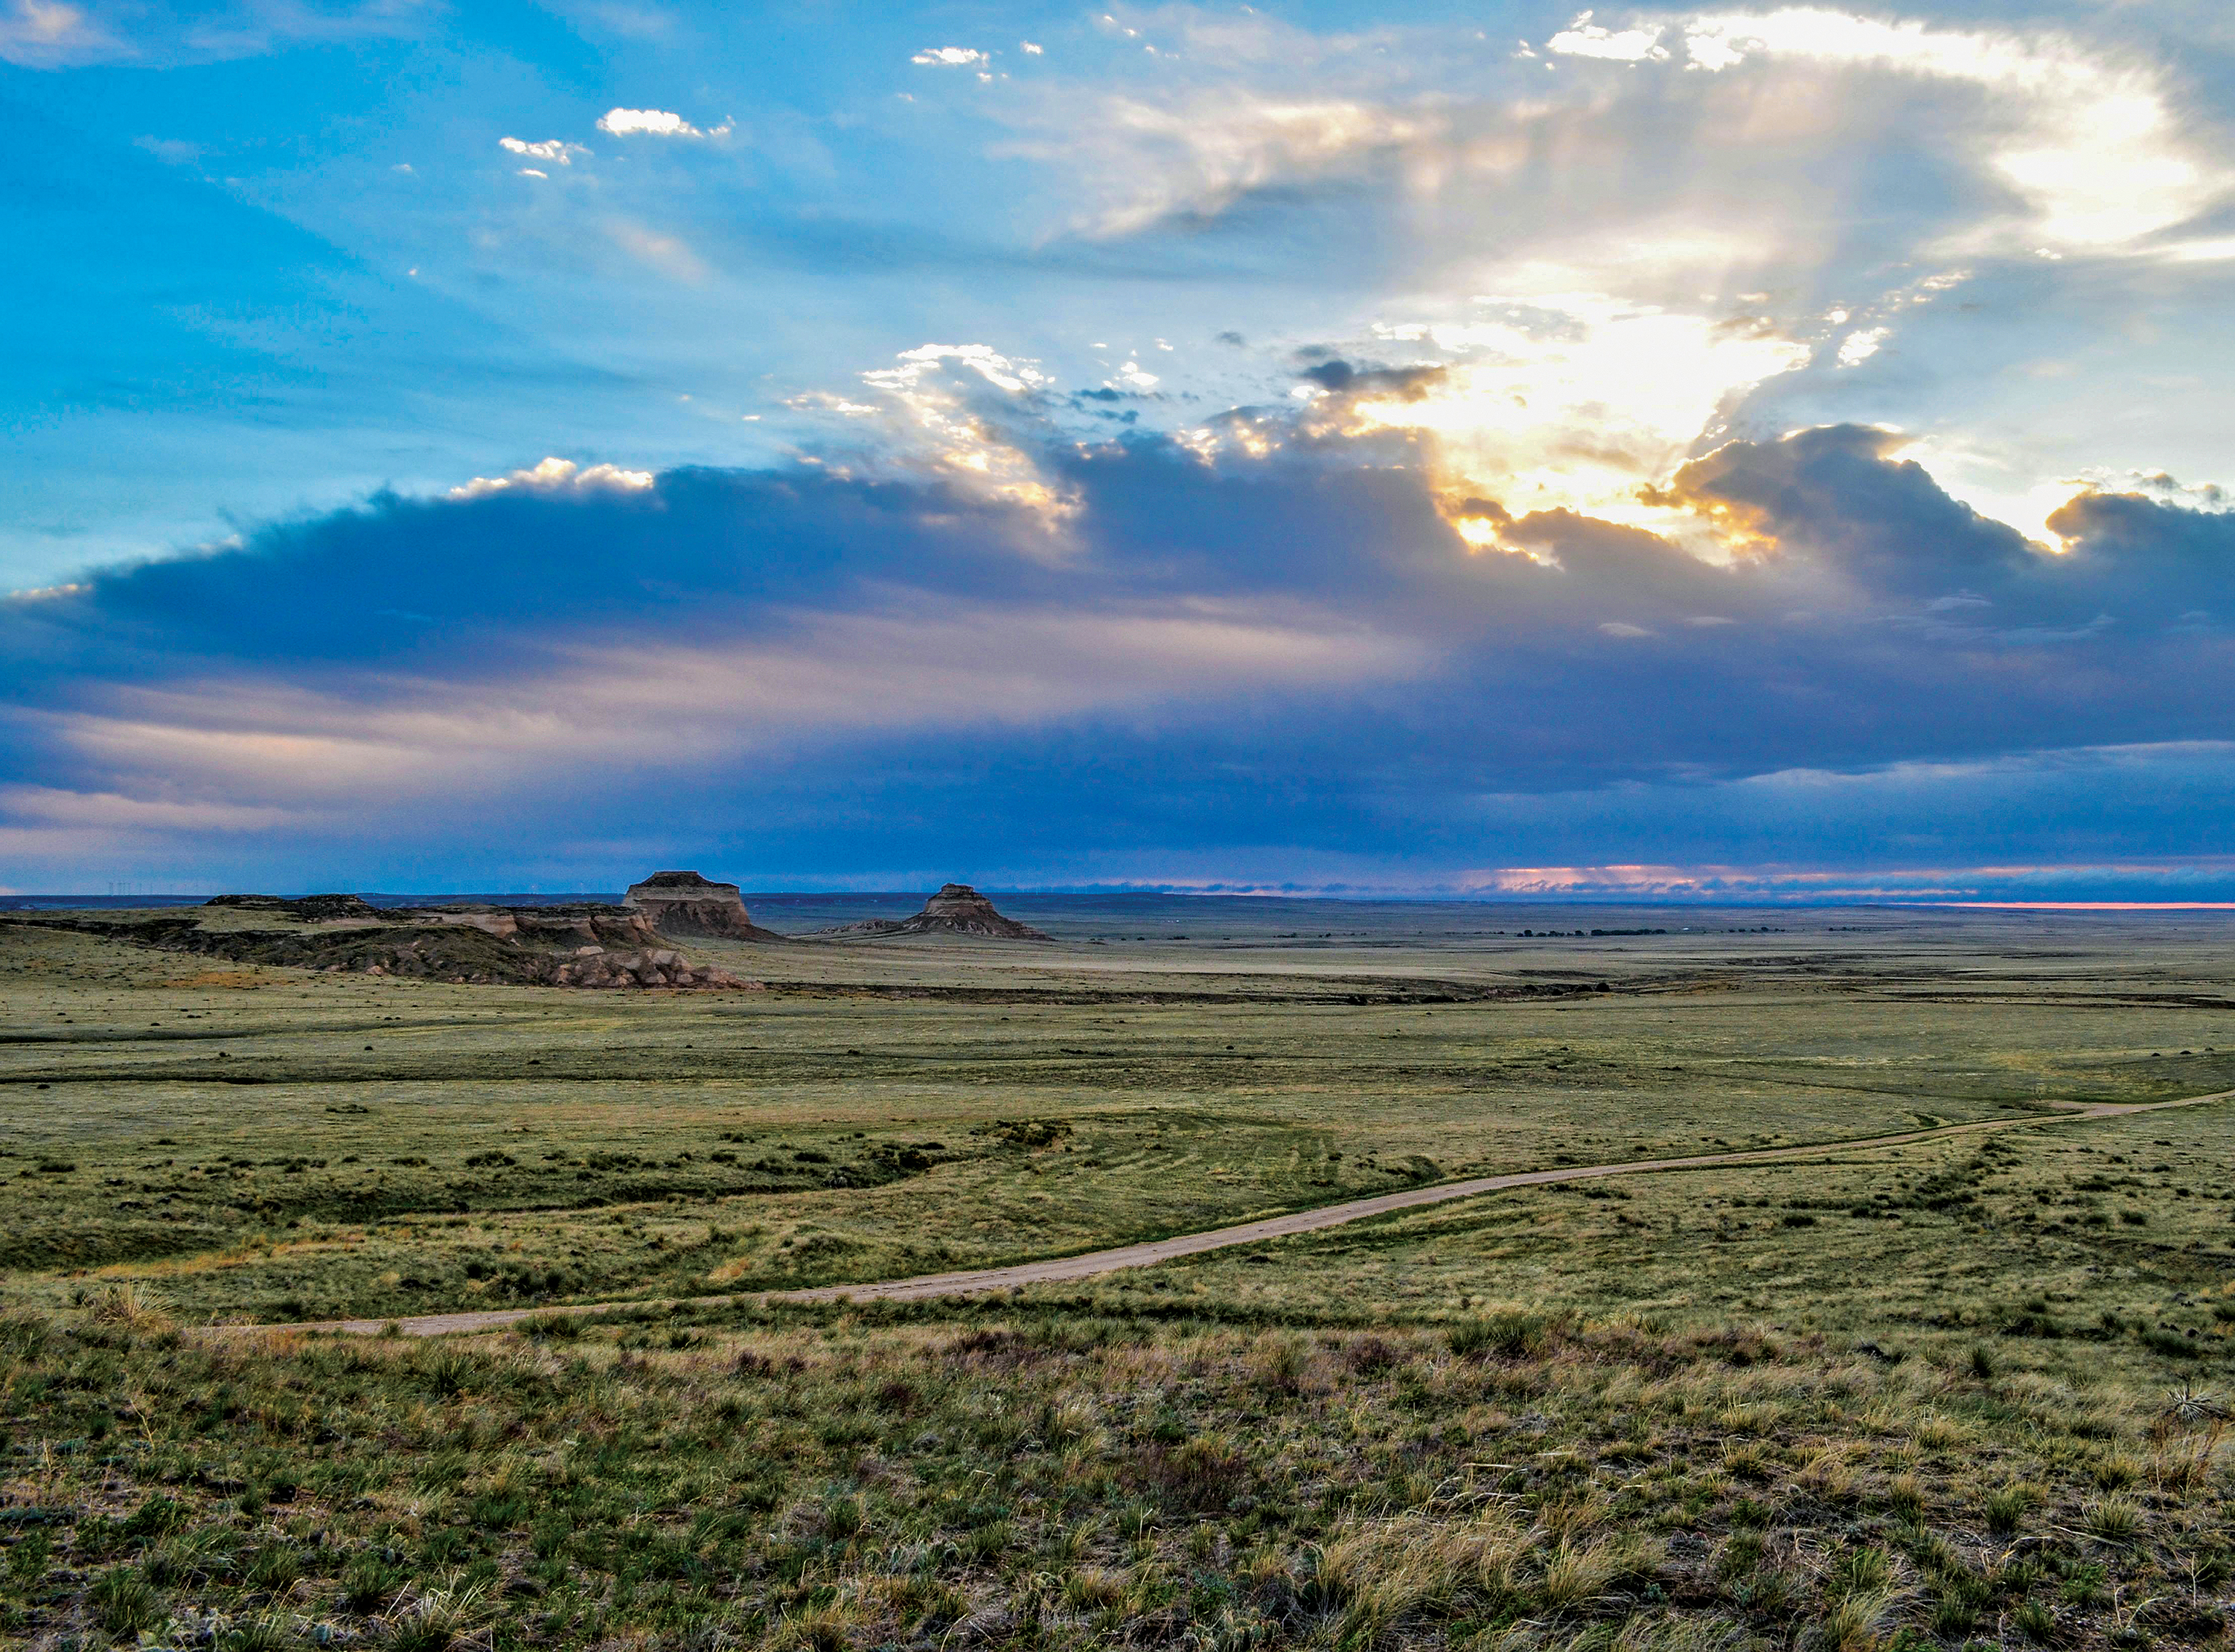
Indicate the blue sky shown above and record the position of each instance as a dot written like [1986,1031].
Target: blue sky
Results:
[1714,452]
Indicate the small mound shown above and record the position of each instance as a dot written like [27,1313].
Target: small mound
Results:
[957,909]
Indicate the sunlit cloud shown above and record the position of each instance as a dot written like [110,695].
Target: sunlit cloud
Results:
[932,421]
[1574,402]
[2093,145]
[109,809]
[1583,38]
[1151,161]
[555,475]
[676,706]
[1361,435]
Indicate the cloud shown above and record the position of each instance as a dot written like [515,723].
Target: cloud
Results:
[1583,38]
[2036,140]
[45,34]
[656,123]
[554,475]
[950,57]
[1192,632]
[108,810]
[1576,401]
[1838,494]
[556,150]
[669,254]
[2094,145]
[1860,345]
[1153,161]
[669,706]
[58,33]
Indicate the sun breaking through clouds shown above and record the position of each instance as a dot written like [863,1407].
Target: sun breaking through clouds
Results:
[1657,452]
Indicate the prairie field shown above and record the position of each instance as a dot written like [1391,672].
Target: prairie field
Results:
[1966,1388]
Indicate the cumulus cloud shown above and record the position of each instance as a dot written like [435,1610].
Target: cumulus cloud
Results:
[1860,345]
[1565,401]
[658,123]
[556,150]
[554,475]
[1583,38]
[949,56]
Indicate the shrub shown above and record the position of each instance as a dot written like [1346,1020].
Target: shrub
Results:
[2007,1509]
[260,1635]
[1368,1356]
[2116,1521]
[157,1517]
[1860,1571]
[1203,1476]
[1512,1335]
[369,1581]
[274,1568]
[2035,1622]
[434,1620]
[2161,1340]
[1954,1612]
[125,1603]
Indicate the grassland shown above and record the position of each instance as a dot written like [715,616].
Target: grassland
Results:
[1965,1390]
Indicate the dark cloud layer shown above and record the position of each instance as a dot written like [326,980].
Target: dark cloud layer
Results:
[1292,650]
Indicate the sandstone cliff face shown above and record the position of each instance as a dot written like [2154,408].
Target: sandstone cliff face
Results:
[684,904]
[571,926]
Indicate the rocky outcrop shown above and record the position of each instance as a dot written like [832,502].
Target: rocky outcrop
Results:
[447,949]
[311,909]
[957,909]
[584,925]
[684,904]
[656,967]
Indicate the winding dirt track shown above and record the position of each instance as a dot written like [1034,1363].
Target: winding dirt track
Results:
[1058,1269]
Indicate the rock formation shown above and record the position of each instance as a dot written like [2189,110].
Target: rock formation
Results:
[682,903]
[311,909]
[583,924]
[654,966]
[584,944]
[957,909]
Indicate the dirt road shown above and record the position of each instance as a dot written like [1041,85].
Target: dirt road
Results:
[1060,1269]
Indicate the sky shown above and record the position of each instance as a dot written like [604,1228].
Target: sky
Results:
[1755,453]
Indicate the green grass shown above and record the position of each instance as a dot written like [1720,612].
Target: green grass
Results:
[1971,1390]
[1063,1469]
